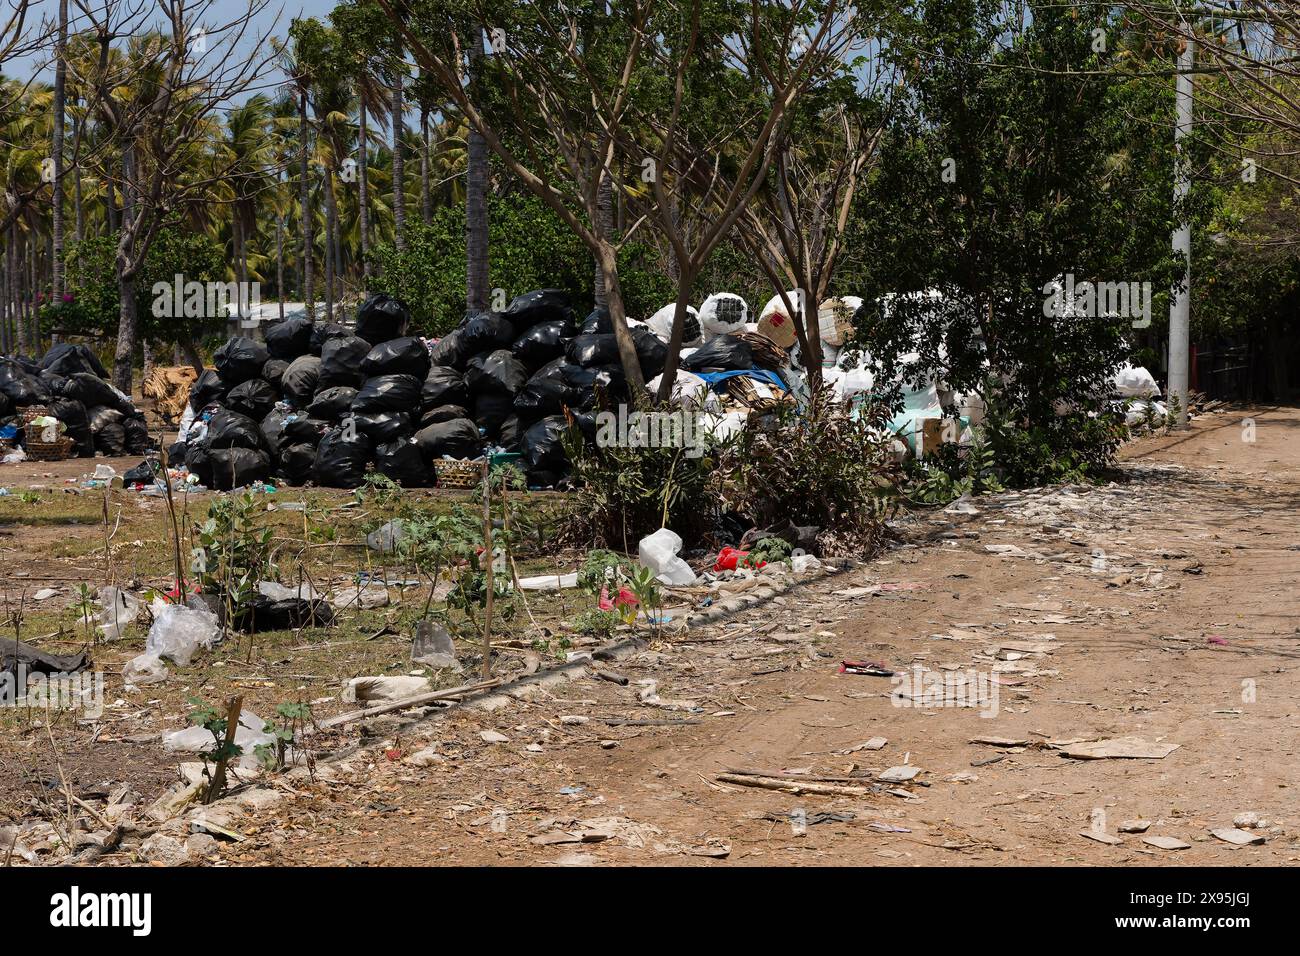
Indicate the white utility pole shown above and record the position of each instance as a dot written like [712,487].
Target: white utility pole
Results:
[1180,303]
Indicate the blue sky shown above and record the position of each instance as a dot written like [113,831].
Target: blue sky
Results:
[275,17]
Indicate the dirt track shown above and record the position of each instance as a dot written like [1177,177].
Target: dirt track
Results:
[1164,607]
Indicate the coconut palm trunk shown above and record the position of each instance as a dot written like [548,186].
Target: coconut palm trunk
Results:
[304,206]
[476,210]
[399,183]
[60,109]
[363,192]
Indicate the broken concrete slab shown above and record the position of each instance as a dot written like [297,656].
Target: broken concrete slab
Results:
[1119,748]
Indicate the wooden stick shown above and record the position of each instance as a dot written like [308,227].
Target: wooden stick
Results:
[233,707]
[488,558]
[406,702]
[789,785]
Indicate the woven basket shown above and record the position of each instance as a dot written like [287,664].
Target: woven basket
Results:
[457,474]
[56,450]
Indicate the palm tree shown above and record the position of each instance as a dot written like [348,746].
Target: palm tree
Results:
[60,103]
[476,210]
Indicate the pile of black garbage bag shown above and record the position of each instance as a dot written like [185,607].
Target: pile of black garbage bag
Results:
[319,403]
[73,387]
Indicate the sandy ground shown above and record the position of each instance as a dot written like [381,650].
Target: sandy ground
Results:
[1162,607]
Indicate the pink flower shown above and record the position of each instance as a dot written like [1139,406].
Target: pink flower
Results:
[626,598]
[605,603]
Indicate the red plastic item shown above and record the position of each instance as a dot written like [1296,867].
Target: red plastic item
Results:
[729,558]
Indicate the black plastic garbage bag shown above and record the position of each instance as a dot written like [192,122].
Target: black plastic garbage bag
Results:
[510,433]
[54,382]
[142,474]
[273,372]
[384,426]
[484,333]
[229,429]
[651,351]
[590,350]
[724,353]
[543,343]
[381,318]
[91,390]
[402,461]
[6,406]
[540,305]
[76,421]
[443,386]
[404,356]
[263,614]
[135,432]
[497,371]
[542,445]
[323,332]
[341,457]
[608,379]
[340,361]
[67,358]
[198,459]
[443,413]
[301,380]
[388,393]
[296,462]
[110,441]
[239,360]
[301,429]
[272,429]
[253,398]
[450,351]
[177,452]
[458,438]
[547,393]
[597,322]
[24,388]
[236,467]
[331,404]
[290,339]
[491,409]
[100,416]
[207,388]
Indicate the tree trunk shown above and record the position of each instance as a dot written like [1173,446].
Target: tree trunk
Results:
[146,349]
[279,259]
[186,344]
[33,286]
[476,209]
[304,208]
[604,228]
[124,354]
[330,265]
[110,209]
[426,201]
[684,289]
[399,184]
[622,334]
[60,109]
[363,195]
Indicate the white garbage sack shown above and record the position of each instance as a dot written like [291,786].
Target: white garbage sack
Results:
[689,390]
[144,669]
[857,379]
[279,592]
[178,631]
[187,421]
[723,314]
[776,322]
[725,425]
[658,552]
[1130,382]
[1137,411]
[549,582]
[835,319]
[118,610]
[384,690]
[248,735]
[661,324]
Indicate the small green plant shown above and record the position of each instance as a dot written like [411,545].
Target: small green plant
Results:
[601,568]
[379,490]
[768,549]
[85,604]
[294,718]
[597,623]
[1174,410]
[222,752]
[233,553]
[953,471]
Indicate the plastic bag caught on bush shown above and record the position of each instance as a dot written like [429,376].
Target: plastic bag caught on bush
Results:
[179,631]
[118,610]
[658,552]
[249,735]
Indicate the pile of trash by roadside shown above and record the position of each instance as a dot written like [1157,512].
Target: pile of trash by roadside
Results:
[65,406]
[324,404]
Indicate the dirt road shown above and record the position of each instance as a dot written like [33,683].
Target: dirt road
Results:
[1163,607]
